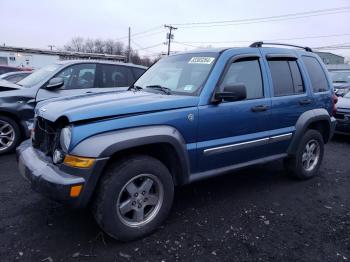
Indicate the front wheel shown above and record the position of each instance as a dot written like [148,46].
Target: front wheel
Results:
[9,135]
[308,158]
[134,197]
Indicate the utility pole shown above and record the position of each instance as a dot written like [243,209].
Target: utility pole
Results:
[169,35]
[51,47]
[129,46]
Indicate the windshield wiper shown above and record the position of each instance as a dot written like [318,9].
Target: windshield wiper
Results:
[161,88]
[136,88]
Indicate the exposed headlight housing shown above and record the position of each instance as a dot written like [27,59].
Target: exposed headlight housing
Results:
[65,138]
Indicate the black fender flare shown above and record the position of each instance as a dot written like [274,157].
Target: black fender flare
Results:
[304,122]
[106,144]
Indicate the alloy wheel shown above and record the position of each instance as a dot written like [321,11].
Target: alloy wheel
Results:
[7,135]
[311,155]
[140,200]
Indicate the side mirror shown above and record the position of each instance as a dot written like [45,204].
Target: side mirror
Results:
[55,83]
[232,93]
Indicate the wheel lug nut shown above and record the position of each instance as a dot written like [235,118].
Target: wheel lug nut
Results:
[143,192]
[139,206]
[136,194]
[133,203]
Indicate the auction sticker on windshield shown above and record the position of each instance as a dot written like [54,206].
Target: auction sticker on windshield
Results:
[201,60]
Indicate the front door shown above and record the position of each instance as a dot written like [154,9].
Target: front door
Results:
[78,79]
[231,133]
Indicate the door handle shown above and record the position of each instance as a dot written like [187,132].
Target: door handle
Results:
[305,101]
[259,108]
[89,92]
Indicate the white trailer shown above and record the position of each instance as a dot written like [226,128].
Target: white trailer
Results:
[36,58]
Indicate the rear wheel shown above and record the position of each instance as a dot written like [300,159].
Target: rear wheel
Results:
[9,134]
[308,158]
[134,197]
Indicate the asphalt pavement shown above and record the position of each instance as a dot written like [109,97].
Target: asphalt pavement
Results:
[256,214]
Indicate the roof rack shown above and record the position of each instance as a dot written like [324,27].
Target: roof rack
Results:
[259,44]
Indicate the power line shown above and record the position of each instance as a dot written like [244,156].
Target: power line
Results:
[249,41]
[140,33]
[148,47]
[266,19]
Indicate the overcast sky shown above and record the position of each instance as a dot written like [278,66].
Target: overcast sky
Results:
[39,23]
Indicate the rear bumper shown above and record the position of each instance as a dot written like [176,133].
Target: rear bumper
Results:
[53,181]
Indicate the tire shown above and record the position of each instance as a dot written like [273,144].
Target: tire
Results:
[10,135]
[297,166]
[114,189]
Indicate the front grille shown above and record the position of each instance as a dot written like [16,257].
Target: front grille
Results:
[339,115]
[45,136]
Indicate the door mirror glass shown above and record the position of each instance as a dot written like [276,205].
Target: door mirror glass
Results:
[232,93]
[55,83]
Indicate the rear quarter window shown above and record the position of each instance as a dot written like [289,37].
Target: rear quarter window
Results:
[138,72]
[317,75]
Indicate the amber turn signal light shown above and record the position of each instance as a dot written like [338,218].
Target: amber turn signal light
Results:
[77,161]
[75,191]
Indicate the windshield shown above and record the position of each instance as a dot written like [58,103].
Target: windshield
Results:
[340,77]
[181,74]
[38,75]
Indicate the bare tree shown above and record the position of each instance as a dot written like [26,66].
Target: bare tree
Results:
[76,44]
[109,46]
[89,45]
[99,46]
[118,48]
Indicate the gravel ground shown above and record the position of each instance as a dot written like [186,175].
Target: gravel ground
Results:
[256,214]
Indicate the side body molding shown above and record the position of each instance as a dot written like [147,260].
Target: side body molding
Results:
[106,144]
[304,121]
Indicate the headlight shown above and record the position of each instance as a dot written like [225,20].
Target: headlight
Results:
[65,138]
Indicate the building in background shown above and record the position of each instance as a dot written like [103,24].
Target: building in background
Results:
[330,58]
[36,58]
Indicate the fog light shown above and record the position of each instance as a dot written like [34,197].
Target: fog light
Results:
[57,157]
[75,191]
[77,161]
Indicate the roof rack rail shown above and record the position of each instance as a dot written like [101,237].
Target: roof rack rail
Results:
[259,44]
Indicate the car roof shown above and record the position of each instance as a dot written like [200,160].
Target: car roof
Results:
[269,48]
[79,61]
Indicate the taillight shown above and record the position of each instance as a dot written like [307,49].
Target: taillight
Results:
[335,100]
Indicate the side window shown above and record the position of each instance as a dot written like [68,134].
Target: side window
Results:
[286,77]
[317,76]
[248,73]
[115,76]
[78,76]
[138,72]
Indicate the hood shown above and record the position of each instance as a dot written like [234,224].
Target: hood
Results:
[343,103]
[93,106]
[8,86]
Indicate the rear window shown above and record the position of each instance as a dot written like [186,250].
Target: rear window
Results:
[317,76]
[286,77]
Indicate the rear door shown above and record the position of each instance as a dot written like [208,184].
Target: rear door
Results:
[114,77]
[321,86]
[78,79]
[289,98]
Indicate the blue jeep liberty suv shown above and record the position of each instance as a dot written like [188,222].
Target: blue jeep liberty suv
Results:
[191,116]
